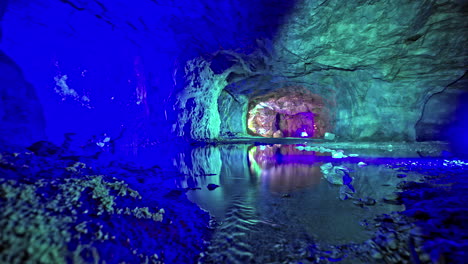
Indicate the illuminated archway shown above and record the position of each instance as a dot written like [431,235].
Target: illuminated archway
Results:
[288,112]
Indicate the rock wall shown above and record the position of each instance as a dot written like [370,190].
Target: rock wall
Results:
[21,117]
[197,103]
[232,110]
[164,69]
[383,59]
[379,61]
[442,112]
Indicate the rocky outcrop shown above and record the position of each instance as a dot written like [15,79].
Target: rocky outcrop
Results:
[197,103]
[21,117]
[289,112]
[378,61]
[192,68]
[383,59]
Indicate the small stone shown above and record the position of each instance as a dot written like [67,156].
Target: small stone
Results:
[376,255]
[392,199]
[338,155]
[278,134]
[424,258]
[368,201]
[329,136]
[212,186]
[326,166]
[392,244]
[358,203]
[401,175]
[286,195]
[361,164]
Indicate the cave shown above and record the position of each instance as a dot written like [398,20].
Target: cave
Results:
[289,112]
[301,131]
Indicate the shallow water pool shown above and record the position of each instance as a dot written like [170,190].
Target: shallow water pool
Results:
[275,201]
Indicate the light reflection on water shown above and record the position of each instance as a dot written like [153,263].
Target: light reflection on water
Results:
[274,193]
[283,168]
[257,220]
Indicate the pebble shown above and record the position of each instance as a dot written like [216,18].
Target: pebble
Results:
[392,244]
[212,186]
[376,255]
[392,199]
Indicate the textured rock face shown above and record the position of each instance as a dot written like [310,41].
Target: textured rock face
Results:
[378,62]
[289,112]
[21,119]
[192,67]
[382,59]
[443,112]
[197,103]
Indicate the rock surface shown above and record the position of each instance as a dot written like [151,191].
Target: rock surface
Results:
[69,208]
[192,68]
[293,111]
[21,117]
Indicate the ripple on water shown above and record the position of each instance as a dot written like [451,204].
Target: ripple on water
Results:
[273,202]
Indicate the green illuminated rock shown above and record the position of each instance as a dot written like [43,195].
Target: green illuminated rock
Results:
[375,63]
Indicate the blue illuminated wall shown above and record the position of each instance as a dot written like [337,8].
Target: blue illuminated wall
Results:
[99,66]
[107,66]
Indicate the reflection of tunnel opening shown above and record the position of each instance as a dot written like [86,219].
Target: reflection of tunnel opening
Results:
[288,112]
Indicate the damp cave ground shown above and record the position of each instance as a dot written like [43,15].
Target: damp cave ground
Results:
[408,205]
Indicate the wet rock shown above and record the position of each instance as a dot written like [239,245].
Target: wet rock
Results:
[338,155]
[376,255]
[278,134]
[392,243]
[334,176]
[326,167]
[392,199]
[362,164]
[175,193]
[401,175]
[358,203]
[212,186]
[368,201]
[329,136]
[44,148]
[345,193]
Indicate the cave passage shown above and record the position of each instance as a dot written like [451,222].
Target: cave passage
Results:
[288,113]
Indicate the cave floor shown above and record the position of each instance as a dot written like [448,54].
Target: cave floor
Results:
[284,201]
[252,200]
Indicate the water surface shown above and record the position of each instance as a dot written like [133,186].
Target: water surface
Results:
[273,201]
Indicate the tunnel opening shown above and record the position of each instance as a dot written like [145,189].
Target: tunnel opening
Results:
[288,112]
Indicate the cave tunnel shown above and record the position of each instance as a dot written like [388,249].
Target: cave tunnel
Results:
[127,127]
[288,112]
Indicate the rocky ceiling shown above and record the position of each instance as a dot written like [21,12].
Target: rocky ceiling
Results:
[164,68]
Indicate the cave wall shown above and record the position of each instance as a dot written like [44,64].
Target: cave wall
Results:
[163,69]
[21,117]
[99,66]
[376,62]
[383,59]
[444,116]
[91,73]
[232,109]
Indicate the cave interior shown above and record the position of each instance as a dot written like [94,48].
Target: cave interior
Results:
[89,84]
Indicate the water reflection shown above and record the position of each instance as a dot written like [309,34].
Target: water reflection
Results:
[250,207]
[283,168]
